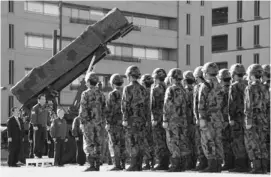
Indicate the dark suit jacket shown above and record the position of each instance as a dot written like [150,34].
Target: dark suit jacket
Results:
[14,130]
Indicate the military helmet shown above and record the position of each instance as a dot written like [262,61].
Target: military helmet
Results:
[266,69]
[210,68]
[223,74]
[91,76]
[255,70]
[146,78]
[188,75]
[237,69]
[133,71]
[159,73]
[116,79]
[198,72]
[175,73]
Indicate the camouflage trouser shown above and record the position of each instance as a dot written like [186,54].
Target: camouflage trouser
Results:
[237,136]
[255,139]
[105,154]
[267,139]
[226,140]
[92,140]
[159,141]
[148,142]
[191,140]
[199,150]
[211,140]
[116,141]
[134,138]
[177,139]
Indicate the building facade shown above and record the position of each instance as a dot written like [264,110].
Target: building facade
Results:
[172,34]
[240,32]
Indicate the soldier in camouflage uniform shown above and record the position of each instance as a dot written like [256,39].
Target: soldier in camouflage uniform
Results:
[175,121]
[147,80]
[236,118]
[114,123]
[91,110]
[266,83]
[201,159]
[224,79]
[211,118]
[167,82]
[159,133]
[255,120]
[135,111]
[188,83]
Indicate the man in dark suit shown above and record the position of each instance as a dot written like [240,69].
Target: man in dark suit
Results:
[15,130]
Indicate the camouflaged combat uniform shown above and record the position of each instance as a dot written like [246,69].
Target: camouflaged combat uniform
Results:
[116,131]
[91,110]
[134,109]
[159,133]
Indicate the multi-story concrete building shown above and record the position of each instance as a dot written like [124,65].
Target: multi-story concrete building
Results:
[241,32]
[173,34]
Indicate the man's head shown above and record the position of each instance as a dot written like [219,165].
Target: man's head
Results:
[224,77]
[188,78]
[198,75]
[237,71]
[159,75]
[15,111]
[175,75]
[132,73]
[254,72]
[91,79]
[209,70]
[42,99]
[60,113]
[116,80]
[146,80]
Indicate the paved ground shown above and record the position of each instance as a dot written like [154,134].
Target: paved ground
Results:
[77,171]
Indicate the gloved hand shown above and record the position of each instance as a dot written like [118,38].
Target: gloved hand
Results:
[124,123]
[232,122]
[54,139]
[165,125]
[154,123]
[76,138]
[35,128]
[66,140]
[49,142]
[9,139]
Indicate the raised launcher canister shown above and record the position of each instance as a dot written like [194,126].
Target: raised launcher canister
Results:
[69,63]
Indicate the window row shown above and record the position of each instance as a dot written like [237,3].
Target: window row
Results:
[256,58]
[41,7]
[188,25]
[188,55]
[46,42]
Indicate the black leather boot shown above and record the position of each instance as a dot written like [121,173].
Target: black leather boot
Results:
[117,166]
[162,164]
[264,165]
[257,167]
[202,164]
[212,166]
[228,162]
[241,166]
[175,165]
[147,165]
[91,164]
[97,164]
[133,165]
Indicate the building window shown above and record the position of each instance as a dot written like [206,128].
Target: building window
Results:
[256,8]
[188,24]
[220,16]
[219,43]
[11,72]
[239,9]
[152,23]
[139,21]
[127,51]
[256,35]
[188,2]
[239,37]
[239,59]
[187,54]
[201,55]
[10,104]
[139,52]
[41,7]
[222,65]
[256,58]
[11,36]
[152,53]
[201,25]
[202,2]
[11,6]
[84,14]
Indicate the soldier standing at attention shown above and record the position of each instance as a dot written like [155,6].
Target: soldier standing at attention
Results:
[255,120]
[266,83]
[236,117]
[91,109]
[201,159]
[147,81]
[175,121]
[135,111]
[224,79]
[211,118]
[40,119]
[162,153]
[114,123]
[188,81]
